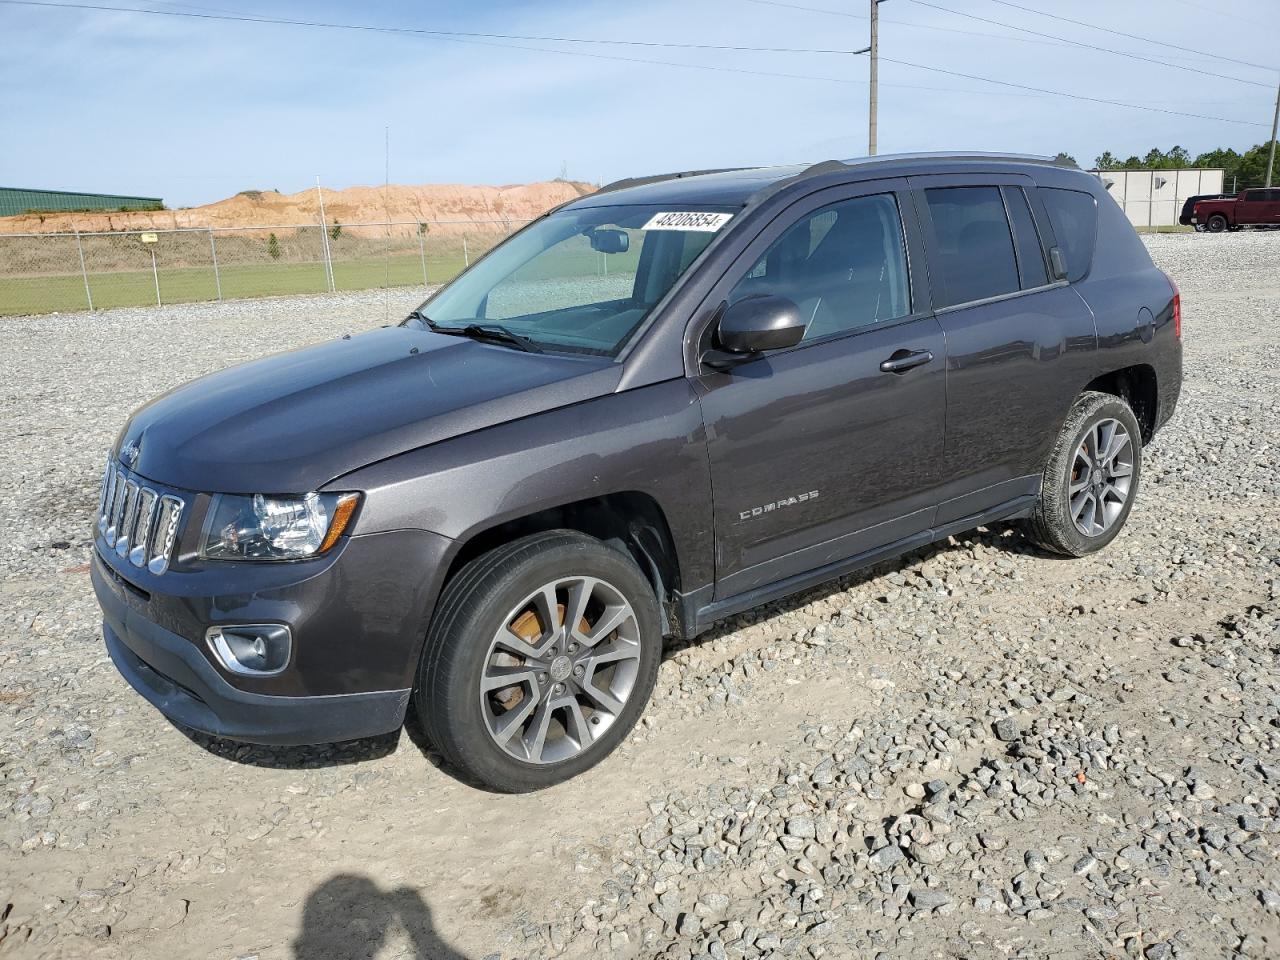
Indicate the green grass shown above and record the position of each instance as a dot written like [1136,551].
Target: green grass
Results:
[64,293]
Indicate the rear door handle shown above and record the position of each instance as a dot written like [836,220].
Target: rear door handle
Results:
[903,360]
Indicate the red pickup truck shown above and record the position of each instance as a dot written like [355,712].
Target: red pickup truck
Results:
[1256,208]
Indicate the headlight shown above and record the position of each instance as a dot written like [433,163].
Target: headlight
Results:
[275,528]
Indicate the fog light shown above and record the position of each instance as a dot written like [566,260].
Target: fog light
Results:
[251,650]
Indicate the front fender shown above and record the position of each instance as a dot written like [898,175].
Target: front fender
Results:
[648,440]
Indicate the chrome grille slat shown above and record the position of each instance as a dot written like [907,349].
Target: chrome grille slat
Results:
[137,521]
[170,515]
[141,539]
[107,499]
[129,516]
[117,507]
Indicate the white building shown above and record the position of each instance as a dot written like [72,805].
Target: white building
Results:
[1154,198]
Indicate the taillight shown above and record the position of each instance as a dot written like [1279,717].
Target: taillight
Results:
[1177,307]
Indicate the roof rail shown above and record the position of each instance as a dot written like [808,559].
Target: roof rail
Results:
[659,177]
[965,155]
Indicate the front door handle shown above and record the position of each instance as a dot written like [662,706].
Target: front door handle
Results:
[903,360]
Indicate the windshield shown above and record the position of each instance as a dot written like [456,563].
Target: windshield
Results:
[578,281]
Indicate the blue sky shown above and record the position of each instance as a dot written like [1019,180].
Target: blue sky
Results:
[195,110]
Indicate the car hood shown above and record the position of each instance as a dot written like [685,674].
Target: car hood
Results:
[293,422]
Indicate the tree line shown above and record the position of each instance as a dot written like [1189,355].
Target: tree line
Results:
[1247,169]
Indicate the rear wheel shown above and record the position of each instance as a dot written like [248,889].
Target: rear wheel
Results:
[1091,479]
[541,659]
[1217,223]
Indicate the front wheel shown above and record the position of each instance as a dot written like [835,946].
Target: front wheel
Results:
[540,660]
[1091,478]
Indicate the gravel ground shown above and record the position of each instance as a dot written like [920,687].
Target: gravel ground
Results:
[975,751]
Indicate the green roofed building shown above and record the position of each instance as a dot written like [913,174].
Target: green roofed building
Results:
[16,200]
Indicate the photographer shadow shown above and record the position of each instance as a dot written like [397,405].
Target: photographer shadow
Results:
[349,917]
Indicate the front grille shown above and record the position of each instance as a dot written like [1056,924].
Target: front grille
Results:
[137,522]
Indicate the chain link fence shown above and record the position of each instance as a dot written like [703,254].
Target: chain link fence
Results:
[62,272]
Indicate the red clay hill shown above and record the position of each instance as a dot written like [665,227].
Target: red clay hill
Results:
[352,205]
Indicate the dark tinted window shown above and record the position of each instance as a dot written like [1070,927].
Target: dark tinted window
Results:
[1074,216]
[974,246]
[844,266]
[1031,268]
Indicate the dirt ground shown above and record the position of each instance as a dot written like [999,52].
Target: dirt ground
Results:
[1132,810]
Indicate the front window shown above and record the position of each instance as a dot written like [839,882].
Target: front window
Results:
[844,266]
[578,281]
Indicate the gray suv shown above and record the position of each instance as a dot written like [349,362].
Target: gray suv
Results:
[658,405]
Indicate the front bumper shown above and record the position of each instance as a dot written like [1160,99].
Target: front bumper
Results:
[178,680]
[358,618]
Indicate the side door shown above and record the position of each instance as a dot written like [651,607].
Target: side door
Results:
[1018,340]
[1252,207]
[1271,206]
[830,448]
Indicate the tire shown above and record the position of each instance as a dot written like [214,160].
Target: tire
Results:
[1067,518]
[1216,223]
[561,696]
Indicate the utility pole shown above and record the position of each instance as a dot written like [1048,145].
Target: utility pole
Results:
[324,242]
[875,77]
[1275,122]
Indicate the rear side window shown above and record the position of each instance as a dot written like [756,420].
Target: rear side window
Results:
[1074,216]
[974,252]
[1031,268]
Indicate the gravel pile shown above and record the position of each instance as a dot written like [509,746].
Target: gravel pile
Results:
[972,751]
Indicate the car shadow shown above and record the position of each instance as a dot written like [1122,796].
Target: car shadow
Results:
[320,755]
[1007,537]
[308,757]
[349,917]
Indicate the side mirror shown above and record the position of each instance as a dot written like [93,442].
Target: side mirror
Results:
[753,325]
[608,240]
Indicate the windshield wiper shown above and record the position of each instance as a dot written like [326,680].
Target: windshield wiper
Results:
[497,333]
[488,333]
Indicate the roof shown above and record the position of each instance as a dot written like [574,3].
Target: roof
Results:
[721,187]
[79,193]
[738,187]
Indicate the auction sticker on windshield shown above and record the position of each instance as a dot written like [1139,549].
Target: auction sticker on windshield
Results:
[699,220]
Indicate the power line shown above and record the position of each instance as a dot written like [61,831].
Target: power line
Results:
[443,34]
[456,37]
[937,27]
[432,35]
[1087,46]
[1130,36]
[902,23]
[905,23]
[1071,96]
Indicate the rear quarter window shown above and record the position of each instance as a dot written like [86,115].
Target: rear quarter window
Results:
[1074,215]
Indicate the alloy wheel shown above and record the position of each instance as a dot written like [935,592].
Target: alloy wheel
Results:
[560,669]
[1101,477]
